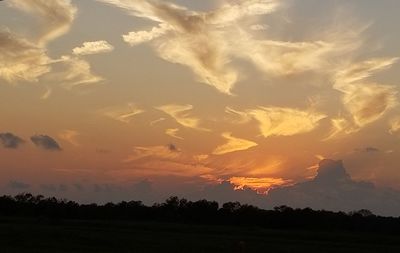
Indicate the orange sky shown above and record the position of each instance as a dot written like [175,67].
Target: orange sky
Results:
[192,93]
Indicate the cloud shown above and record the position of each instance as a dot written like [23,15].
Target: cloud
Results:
[136,38]
[260,185]
[163,160]
[76,72]
[70,136]
[333,189]
[93,47]
[56,16]
[233,144]
[394,125]
[163,152]
[368,150]
[26,59]
[123,114]
[276,121]
[11,141]
[173,132]
[21,59]
[45,142]
[181,115]
[194,39]
[365,101]
[16,185]
[208,42]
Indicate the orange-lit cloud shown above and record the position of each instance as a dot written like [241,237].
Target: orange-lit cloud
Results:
[233,144]
[70,136]
[261,185]
[123,114]
[274,121]
[394,125]
[173,132]
[180,113]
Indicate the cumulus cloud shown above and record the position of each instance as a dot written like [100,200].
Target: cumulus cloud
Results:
[233,144]
[333,189]
[45,142]
[180,113]
[93,47]
[11,141]
[136,38]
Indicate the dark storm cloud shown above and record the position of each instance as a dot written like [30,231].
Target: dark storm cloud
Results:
[16,185]
[334,189]
[54,187]
[172,147]
[11,141]
[45,142]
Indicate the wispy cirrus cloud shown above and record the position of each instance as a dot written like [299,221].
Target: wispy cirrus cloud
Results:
[365,101]
[194,39]
[125,113]
[279,121]
[70,136]
[173,132]
[93,47]
[233,144]
[181,114]
[26,59]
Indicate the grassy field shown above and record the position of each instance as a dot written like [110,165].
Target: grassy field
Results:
[24,235]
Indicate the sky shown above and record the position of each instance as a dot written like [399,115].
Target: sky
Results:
[103,100]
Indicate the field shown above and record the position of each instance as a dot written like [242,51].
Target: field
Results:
[27,235]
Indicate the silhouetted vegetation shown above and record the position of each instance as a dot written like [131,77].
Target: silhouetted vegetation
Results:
[177,210]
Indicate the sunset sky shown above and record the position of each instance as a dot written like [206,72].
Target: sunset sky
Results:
[111,99]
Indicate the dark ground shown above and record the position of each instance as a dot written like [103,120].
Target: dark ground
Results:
[33,235]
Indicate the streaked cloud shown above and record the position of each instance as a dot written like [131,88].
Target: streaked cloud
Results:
[26,59]
[93,47]
[365,101]
[70,136]
[163,160]
[55,16]
[275,121]
[181,114]
[21,59]
[233,144]
[173,132]
[394,125]
[124,113]
[76,72]
[261,185]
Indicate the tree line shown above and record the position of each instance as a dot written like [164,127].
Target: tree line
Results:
[179,210]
